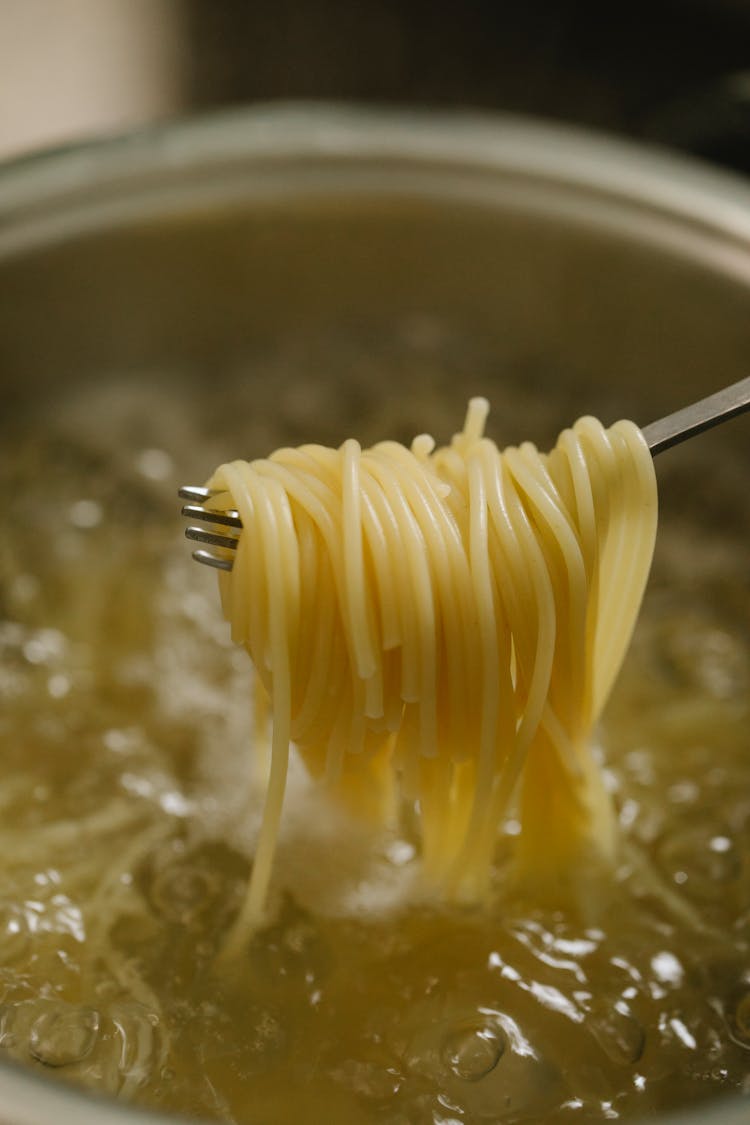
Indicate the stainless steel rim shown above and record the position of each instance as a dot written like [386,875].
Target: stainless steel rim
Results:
[60,194]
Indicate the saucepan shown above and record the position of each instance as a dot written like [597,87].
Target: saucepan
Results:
[301,272]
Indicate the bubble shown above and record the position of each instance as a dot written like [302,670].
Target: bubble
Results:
[703,858]
[667,968]
[684,792]
[524,1087]
[44,646]
[481,1060]
[472,1052]
[122,741]
[58,685]
[181,893]
[129,1049]
[155,464]
[401,852]
[14,933]
[85,514]
[619,1034]
[682,1032]
[63,1034]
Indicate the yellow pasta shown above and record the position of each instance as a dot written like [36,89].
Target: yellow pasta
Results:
[444,626]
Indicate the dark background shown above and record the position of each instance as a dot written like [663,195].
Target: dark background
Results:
[675,72]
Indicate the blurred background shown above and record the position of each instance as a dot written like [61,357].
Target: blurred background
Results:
[674,72]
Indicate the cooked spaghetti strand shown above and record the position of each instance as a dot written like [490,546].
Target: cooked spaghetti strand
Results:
[447,622]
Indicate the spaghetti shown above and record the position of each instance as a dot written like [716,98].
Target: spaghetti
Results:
[444,626]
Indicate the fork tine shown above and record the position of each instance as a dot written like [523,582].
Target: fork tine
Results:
[229,518]
[193,492]
[202,536]
[212,560]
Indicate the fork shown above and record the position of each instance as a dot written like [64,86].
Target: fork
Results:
[659,435]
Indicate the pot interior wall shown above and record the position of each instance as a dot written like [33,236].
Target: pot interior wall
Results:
[375,315]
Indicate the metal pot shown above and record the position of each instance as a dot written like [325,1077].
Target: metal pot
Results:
[464,253]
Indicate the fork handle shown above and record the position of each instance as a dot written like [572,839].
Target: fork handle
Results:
[699,416]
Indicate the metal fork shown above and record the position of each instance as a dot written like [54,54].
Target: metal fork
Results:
[660,435]
[229,519]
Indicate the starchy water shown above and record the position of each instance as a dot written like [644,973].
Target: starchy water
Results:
[129,799]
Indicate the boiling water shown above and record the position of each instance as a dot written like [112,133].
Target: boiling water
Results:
[129,801]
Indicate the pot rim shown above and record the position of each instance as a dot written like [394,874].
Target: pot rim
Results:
[663,197]
[63,193]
